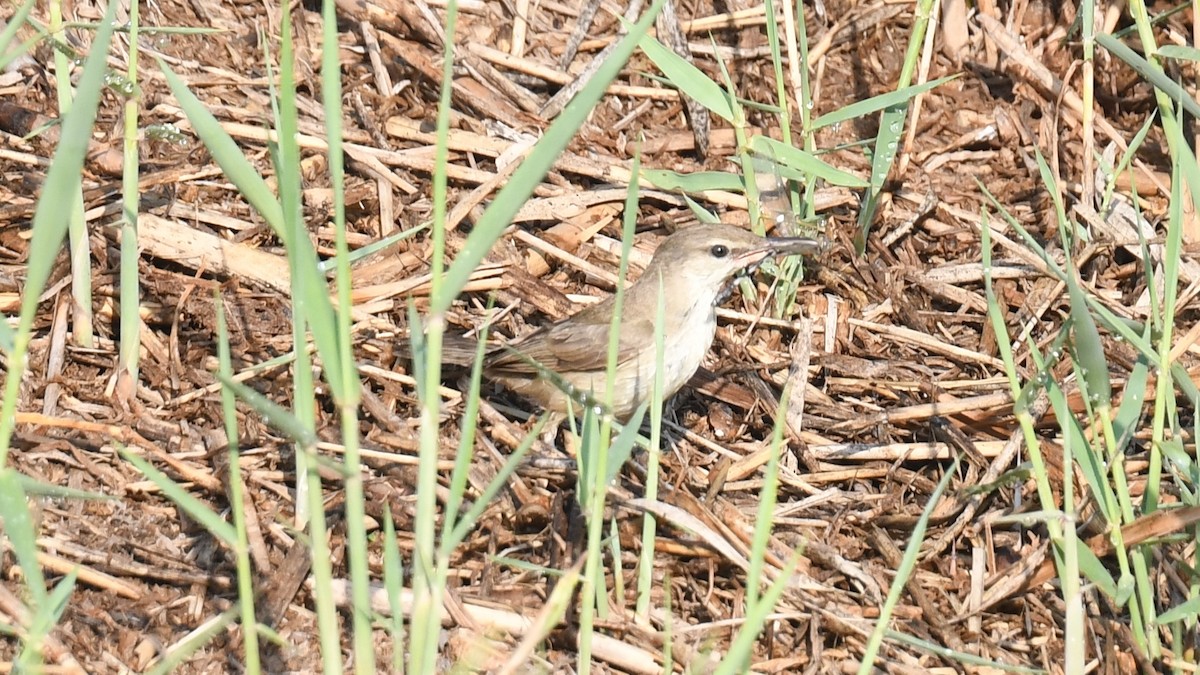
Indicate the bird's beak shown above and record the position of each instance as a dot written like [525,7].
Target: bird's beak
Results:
[797,246]
[781,246]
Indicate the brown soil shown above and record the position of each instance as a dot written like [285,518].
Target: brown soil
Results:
[893,331]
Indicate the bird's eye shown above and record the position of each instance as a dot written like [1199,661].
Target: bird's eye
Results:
[719,250]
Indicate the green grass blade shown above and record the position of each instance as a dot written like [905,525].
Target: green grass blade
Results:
[193,642]
[19,530]
[46,615]
[523,181]
[689,79]
[1180,52]
[742,646]
[907,565]
[622,445]
[237,490]
[768,496]
[988,665]
[227,154]
[649,523]
[274,414]
[78,247]
[891,99]
[10,33]
[393,584]
[467,521]
[798,165]
[1151,73]
[696,182]
[131,322]
[53,212]
[194,508]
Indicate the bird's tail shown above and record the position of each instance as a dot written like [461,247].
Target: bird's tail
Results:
[456,349]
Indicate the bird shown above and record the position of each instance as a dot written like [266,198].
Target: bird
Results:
[563,365]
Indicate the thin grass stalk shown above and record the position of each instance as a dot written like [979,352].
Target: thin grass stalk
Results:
[457,527]
[1022,397]
[891,123]
[741,648]
[1144,26]
[348,397]
[245,573]
[1113,497]
[463,526]
[1119,509]
[1074,619]
[759,607]
[768,496]
[131,322]
[1125,166]
[795,32]
[19,536]
[1119,327]
[1094,382]
[907,564]
[179,652]
[614,554]
[1166,326]
[789,269]
[312,311]
[9,33]
[1171,119]
[79,250]
[649,523]
[466,451]
[595,443]
[921,16]
[668,635]
[445,289]
[1068,572]
[49,218]
[427,588]
[1088,115]
[1191,215]
[927,50]
[781,98]
[596,489]
[393,585]
[328,629]
[742,143]
[988,665]
[1163,387]
[549,616]
[737,120]
[309,493]
[1141,615]
[290,229]
[1164,398]
[628,227]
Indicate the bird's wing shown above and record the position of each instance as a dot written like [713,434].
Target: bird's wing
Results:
[577,344]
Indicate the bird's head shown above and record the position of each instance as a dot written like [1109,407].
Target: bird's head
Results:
[703,259]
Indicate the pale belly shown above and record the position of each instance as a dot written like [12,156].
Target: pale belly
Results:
[634,381]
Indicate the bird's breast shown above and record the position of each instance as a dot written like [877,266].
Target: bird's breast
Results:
[686,344]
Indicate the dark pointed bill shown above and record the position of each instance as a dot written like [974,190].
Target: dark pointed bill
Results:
[783,246]
[796,246]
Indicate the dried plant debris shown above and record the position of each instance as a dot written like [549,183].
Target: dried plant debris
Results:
[888,360]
